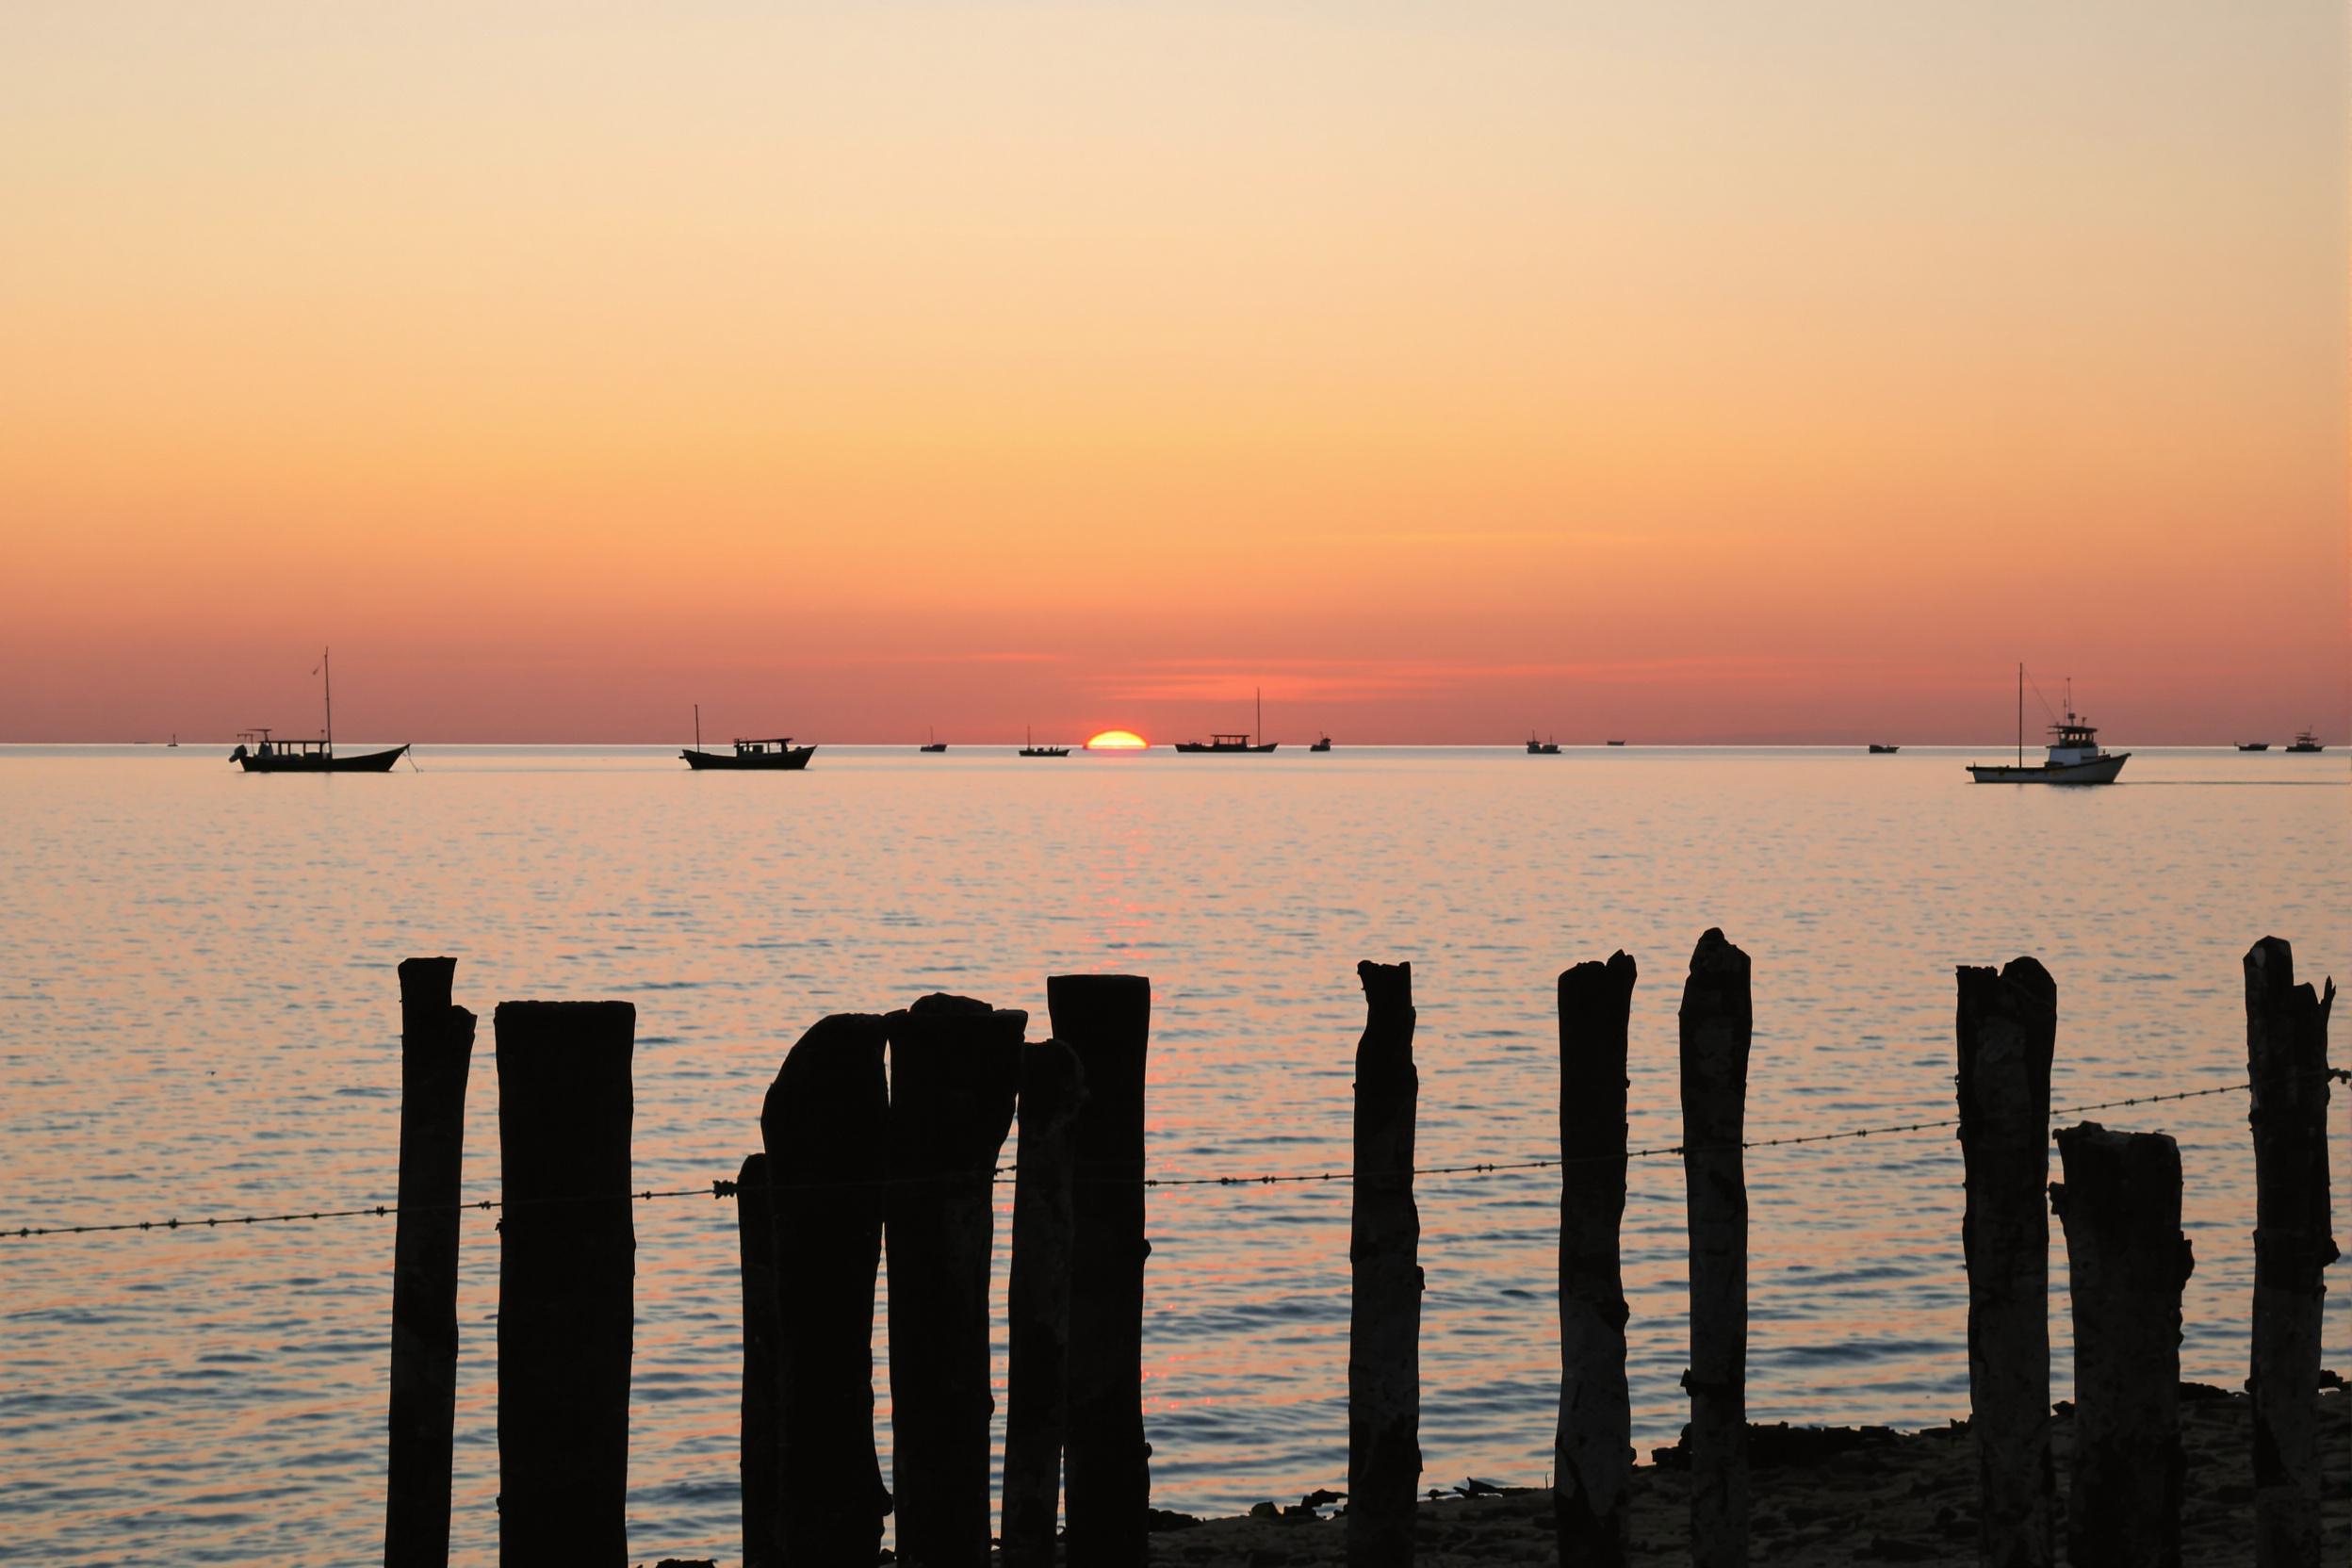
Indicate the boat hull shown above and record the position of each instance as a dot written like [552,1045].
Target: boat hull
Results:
[791,761]
[1205,747]
[366,761]
[2098,770]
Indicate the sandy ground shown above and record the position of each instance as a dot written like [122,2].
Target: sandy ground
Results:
[1891,1497]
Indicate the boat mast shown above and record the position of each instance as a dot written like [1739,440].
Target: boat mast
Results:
[328,670]
[697,727]
[1261,712]
[2020,713]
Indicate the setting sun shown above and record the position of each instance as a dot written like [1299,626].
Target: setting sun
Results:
[1117,740]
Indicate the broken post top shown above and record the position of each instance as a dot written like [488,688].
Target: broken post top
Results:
[2272,998]
[1594,986]
[1088,1010]
[2127,1185]
[829,1099]
[2021,987]
[1717,986]
[954,1073]
[2008,1031]
[1052,1085]
[1386,984]
[1106,1018]
[1716,1018]
[427,980]
[532,1021]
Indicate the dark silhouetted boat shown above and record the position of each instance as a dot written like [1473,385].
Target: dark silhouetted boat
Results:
[934,743]
[1545,748]
[1234,744]
[2075,757]
[1322,744]
[2306,741]
[2253,745]
[258,751]
[1616,743]
[777,755]
[1877,750]
[1031,748]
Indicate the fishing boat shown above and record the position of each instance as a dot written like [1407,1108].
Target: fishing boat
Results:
[1234,744]
[1548,748]
[1030,747]
[1616,743]
[258,751]
[1323,743]
[2075,757]
[934,743]
[2253,745]
[2306,741]
[1877,750]
[771,755]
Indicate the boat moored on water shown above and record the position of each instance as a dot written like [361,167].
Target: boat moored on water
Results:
[775,755]
[1234,744]
[2253,745]
[2307,742]
[934,743]
[258,751]
[1323,743]
[2074,757]
[1550,748]
[1877,750]
[1029,746]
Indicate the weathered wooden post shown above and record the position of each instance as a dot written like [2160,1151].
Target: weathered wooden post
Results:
[2286,1062]
[1716,1019]
[1384,1305]
[954,1073]
[437,1054]
[764,1379]
[2125,1262]
[2008,1030]
[1593,1451]
[825,1124]
[1037,1373]
[1107,1479]
[567,1280]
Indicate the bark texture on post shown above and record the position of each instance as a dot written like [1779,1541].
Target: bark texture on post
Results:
[567,1280]
[2125,1262]
[1107,1482]
[1716,1018]
[436,1055]
[1036,1374]
[824,1124]
[2008,1030]
[1384,1306]
[954,1073]
[763,1386]
[2286,1061]
[1593,1451]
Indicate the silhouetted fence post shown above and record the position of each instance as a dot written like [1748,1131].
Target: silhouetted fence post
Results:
[1716,1019]
[955,1074]
[1106,1472]
[2286,1062]
[437,1054]
[1037,1373]
[763,1323]
[2125,1262]
[2008,1030]
[1384,1305]
[1593,1450]
[567,1267]
[825,1124]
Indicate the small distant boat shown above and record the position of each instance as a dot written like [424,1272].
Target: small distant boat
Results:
[773,755]
[174,739]
[258,751]
[2253,745]
[1877,750]
[1234,744]
[1322,744]
[2306,741]
[1031,748]
[934,743]
[1546,748]
[1616,743]
[2075,757]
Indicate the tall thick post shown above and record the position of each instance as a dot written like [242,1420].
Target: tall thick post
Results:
[437,1054]
[954,1073]
[2125,1262]
[1716,1018]
[2286,1062]
[1036,1374]
[824,1124]
[1107,1482]
[1384,1306]
[1593,1451]
[567,1280]
[764,1379]
[2008,1030]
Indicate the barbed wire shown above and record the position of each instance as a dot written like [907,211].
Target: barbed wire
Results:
[724,1187]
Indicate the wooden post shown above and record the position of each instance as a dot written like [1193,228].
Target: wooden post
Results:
[2008,1029]
[1037,1375]
[1716,1018]
[1593,1451]
[566,1284]
[1384,1305]
[824,1124]
[955,1074]
[763,1383]
[2125,1262]
[1106,1481]
[2286,1062]
[437,1054]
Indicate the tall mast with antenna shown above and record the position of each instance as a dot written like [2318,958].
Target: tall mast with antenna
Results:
[327,669]
[2020,713]
[1261,714]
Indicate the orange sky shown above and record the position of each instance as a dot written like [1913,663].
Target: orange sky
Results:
[1684,369]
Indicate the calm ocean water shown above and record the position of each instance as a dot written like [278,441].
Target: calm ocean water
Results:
[198,1015]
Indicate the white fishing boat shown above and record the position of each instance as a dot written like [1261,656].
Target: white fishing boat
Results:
[2074,757]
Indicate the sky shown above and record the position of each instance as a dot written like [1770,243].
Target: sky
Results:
[1672,370]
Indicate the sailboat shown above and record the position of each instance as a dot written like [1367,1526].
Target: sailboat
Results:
[1234,744]
[933,743]
[258,751]
[774,754]
[1030,747]
[2075,757]
[1550,748]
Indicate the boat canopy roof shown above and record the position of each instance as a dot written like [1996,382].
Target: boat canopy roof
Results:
[1242,740]
[780,742]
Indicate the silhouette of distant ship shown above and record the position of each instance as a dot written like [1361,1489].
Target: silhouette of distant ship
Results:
[1548,749]
[1322,744]
[2253,745]
[2306,741]
[2075,756]
[1031,748]
[257,751]
[1877,750]
[1234,744]
[777,755]
[934,743]
[1616,743]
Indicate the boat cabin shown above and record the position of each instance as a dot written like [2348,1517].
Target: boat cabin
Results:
[2077,741]
[763,748]
[1232,742]
[258,743]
